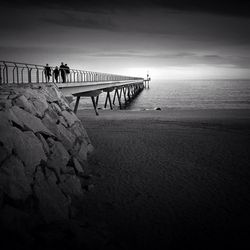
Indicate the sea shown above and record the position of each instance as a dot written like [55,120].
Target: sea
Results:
[187,94]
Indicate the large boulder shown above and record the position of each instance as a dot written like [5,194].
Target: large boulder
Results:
[30,151]
[58,158]
[13,181]
[70,117]
[25,145]
[30,121]
[41,106]
[23,103]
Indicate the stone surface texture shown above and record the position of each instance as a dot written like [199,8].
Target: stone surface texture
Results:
[43,151]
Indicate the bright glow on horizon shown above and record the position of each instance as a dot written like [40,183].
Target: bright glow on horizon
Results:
[190,72]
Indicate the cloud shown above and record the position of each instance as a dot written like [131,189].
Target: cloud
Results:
[99,22]
[222,7]
[181,58]
[139,54]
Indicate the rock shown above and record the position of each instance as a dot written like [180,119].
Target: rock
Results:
[30,122]
[66,137]
[25,145]
[5,103]
[50,123]
[63,121]
[58,158]
[44,143]
[7,117]
[53,204]
[56,108]
[77,166]
[4,94]
[3,154]
[89,187]
[7,138]
[69,99]
[71,118]
[30,150]
[13,180]
[157,108]
[51,94]
[52,113]
[71,186]
[82,153]
[90,148]
[4,120]
[12,117]
[78,130]
[68,170]
[30,93]
[41,106]
[22,102]
[63,134]
[50,141]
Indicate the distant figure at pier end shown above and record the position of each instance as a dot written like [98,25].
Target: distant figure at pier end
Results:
[63,72]
[67,71]
[56,73]
[47,72]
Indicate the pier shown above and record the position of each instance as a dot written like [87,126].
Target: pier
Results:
[78,83]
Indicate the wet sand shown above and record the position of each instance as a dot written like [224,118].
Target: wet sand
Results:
[177,179]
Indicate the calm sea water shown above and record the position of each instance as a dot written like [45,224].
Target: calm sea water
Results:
[190,94]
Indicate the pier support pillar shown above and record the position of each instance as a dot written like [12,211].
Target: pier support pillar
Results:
[108,98]
[94,97]
[124,94]
[77,103]
[94,105]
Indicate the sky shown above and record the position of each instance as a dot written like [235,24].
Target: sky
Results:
[169,39]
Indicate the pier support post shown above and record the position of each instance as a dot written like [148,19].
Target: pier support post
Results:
[124,94]
[114,98]
[118,97]
[94,104]
[96,101]
[94,97]
[129,93]
[106,100]
[108,97]
[110,102]
[77,103]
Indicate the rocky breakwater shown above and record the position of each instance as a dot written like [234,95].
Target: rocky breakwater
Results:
[43,150]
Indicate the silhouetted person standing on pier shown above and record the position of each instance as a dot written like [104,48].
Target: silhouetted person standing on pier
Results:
[56,73]
[67,70]
[47,72]
[63,72]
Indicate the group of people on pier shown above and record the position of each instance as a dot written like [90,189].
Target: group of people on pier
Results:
[64,70]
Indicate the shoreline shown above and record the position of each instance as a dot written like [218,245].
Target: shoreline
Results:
[171,112]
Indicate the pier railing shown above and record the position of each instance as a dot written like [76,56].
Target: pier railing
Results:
[20,73]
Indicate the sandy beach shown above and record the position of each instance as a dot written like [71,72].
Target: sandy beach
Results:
[169,178]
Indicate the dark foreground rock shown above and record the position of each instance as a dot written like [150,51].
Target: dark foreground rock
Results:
[44,149]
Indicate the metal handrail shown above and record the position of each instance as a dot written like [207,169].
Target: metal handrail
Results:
[20,73]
